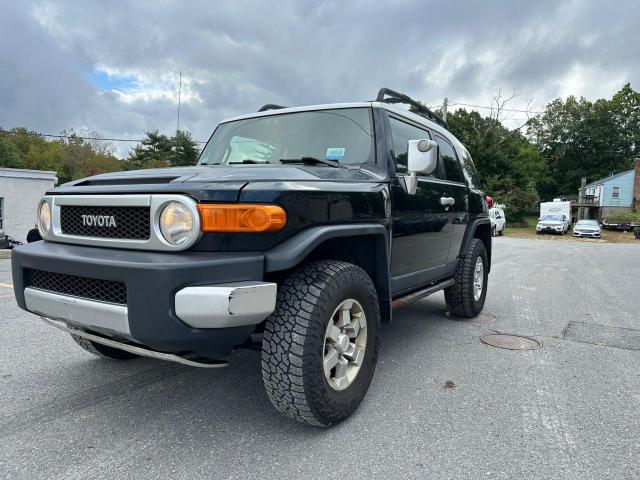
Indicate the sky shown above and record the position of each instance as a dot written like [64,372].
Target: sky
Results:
[113,67]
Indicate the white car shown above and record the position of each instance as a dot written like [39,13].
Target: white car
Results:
[498,221]
[586,228]
[553,224]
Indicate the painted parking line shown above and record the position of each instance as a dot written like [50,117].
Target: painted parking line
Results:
[6,285]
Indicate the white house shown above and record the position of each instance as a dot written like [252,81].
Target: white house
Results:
[20,194]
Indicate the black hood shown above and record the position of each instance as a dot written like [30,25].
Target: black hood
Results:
[222,182]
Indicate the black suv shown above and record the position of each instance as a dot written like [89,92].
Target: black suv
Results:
[300,228]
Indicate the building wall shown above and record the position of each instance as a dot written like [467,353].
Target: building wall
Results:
[608,212]
[636,185]
[21,191]
[625,184]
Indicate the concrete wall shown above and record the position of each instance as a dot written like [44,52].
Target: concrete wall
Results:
[21,191]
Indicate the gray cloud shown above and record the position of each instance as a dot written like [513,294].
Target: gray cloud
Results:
[238,55]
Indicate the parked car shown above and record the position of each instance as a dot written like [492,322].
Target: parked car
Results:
[558,224]
[586,228]
[296,233]
[498,220]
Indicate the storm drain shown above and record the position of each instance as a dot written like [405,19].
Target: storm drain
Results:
[510,342]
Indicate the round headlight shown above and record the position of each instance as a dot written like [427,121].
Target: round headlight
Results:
[176,223]
[44,219]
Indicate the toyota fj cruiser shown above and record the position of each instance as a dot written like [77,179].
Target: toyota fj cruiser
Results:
[303,226]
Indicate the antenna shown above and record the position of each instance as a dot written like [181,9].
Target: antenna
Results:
[178,124]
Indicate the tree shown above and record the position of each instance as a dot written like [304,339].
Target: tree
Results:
[157,150]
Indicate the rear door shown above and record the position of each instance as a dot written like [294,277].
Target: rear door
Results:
[421,227]
[454,195]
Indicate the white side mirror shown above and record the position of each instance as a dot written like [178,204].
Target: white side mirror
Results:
[422,158]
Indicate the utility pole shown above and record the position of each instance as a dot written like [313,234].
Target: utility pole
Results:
[444,108]
[178,125]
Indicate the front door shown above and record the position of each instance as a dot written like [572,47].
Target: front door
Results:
[421,225]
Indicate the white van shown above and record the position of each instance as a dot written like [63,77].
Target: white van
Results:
[498,220]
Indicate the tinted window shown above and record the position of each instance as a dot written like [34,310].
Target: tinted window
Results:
[449,160]
[469,170]
[403,132]
[345,135]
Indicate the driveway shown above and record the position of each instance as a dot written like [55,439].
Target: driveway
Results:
[442,403]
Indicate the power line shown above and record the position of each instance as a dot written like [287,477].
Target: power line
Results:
[49,135]
[495,108]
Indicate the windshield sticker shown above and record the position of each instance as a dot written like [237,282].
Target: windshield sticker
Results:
[335,153]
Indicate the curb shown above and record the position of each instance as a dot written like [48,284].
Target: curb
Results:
[4,253]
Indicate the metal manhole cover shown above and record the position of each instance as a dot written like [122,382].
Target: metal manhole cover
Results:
[482,318]
[510,342]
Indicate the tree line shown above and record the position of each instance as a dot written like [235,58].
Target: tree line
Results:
[543,158]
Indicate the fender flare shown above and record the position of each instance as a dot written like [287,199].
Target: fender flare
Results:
[294,250]
[470,234]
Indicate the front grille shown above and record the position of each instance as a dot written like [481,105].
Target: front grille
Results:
[131,223]
[83,287]
[126,181]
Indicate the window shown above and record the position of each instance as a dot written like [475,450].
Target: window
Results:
[1,211]
[345,135]
[616,192]
[403,132]
[449,160]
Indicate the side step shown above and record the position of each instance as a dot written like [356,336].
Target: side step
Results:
[143,352]
[418,294]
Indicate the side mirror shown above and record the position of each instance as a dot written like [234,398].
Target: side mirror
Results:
[422,158]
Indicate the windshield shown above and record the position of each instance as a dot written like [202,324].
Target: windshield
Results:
[552,218]
[340,135]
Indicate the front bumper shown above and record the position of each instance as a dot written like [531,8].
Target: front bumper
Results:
[587,234]
[201,303]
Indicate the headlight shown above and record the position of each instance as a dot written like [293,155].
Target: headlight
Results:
[44,219]
[176,223]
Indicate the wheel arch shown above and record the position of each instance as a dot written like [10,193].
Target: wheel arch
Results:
[364,245]
[479,228]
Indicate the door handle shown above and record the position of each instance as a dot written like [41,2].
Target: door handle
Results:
[447,201]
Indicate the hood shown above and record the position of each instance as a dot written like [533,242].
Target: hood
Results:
[551,223]
[213,182]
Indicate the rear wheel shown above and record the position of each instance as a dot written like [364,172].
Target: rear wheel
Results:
[466,298]
[502,230]
[320,345]
[102,350]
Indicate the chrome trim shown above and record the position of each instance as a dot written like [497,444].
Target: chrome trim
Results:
[226,305]
[78,310]
[155,202]
[144,352]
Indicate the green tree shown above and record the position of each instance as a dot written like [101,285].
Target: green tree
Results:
[157,150]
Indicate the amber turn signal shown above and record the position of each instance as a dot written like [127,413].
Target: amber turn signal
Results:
[216,217]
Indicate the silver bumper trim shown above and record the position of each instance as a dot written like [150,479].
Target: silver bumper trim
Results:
[78,310]
[226,305]
[144,352]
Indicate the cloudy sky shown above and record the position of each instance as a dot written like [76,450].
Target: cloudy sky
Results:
[113,66]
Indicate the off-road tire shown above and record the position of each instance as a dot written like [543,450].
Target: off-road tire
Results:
[102,350]
[293,342]
[459,297]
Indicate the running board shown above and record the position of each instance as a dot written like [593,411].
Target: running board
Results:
[143,352]
[418,294]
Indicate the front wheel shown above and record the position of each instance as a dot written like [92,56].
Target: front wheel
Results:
[466,297]
[320,345]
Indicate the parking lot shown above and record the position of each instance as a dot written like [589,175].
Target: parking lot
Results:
[567,410]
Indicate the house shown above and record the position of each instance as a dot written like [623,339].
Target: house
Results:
[20,194]
[613,195]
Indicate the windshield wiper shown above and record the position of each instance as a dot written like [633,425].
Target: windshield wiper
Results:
[313,161]
[248,160]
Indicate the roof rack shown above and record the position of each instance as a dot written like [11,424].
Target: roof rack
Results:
[270,106]
[415,106]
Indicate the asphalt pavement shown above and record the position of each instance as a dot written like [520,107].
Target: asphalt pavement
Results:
[442,404]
